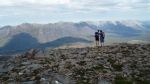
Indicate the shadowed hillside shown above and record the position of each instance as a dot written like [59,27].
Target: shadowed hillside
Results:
[24,41]
[19,42]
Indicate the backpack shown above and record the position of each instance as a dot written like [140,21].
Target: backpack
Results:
[96,34]
[102,35]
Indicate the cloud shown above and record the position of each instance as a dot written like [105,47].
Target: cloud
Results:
[133,4]
[73,9]
[33,2]
[79,5]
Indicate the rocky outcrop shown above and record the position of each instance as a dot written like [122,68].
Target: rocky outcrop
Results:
[117,64]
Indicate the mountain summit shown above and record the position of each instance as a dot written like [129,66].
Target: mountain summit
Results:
[91,65]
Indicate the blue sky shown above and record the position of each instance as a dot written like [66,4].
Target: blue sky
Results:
[13,12]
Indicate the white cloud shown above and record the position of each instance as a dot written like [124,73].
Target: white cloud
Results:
[81,5]
[5,3]
[78,6]
[49,2]
[84,9]
[34,2]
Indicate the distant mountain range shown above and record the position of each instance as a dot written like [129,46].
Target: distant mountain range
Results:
[27,35]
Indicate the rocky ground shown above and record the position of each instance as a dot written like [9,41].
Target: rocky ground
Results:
[117,64]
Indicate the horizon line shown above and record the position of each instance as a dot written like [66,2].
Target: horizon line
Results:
[54,22]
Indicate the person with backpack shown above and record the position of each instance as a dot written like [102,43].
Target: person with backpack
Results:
[102,37]
[97,38]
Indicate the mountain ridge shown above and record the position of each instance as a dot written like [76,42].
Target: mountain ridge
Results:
[116,31]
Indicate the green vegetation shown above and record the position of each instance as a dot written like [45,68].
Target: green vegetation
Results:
[47,60]
[122,80]
[98,67]
[138,81]
[5,78]
[133,66]
[82,63]
[143,82]
[82,75]
[83,81]
[35,72]
[68,65]
[112,61]
[3,41]
[116,66]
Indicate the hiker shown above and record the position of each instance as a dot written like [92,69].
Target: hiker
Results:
[102,37]
[97,38]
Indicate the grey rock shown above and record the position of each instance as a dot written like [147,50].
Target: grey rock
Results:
[28,82]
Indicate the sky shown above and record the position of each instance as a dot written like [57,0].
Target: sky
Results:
[13,12]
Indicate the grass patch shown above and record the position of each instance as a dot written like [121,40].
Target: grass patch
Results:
[122,80]
[117,67]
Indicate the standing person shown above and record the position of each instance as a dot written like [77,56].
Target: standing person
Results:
[97,38]
[102,37]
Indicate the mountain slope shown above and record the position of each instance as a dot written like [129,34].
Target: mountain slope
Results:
[47,34]
[50,32]
[24,41]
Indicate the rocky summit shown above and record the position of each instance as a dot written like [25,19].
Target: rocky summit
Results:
[115,64]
